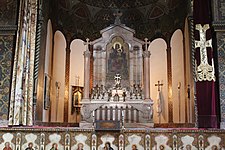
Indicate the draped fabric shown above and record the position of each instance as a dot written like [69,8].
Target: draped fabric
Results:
[204,66]
[159,103]
[21,100]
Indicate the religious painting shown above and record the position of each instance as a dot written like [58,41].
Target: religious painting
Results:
[117,59]
[77,93]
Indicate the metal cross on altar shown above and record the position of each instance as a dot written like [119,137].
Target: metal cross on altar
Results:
[159,84]
[117,79]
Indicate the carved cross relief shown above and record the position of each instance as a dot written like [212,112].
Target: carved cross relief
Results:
[204,72]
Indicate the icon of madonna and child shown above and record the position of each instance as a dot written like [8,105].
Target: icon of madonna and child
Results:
[117,61]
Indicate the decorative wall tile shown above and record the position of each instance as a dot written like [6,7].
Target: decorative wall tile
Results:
[134,139]
[55,139]
[156,139]
[214,142]
[30,138]
[7,137]
[81,138]
[221,65]
[6,46]
[108,138]
[161,143]
[187,142]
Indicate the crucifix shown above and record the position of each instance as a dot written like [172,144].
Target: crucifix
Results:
[159,85]
[117,79]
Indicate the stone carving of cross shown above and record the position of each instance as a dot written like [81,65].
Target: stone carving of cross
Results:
[146,43]
[117,79]
[118,14]
[159,85]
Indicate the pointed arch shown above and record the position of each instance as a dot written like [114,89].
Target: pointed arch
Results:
[77,48]
[178,80]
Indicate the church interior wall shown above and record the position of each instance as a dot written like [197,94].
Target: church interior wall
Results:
[158,59]
[76,72]
[178,81]
[8,26]
[58,77]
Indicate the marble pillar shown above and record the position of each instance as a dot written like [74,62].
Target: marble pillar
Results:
[87,55]
[146,55]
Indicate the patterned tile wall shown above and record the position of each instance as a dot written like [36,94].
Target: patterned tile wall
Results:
[154,139]
[6,47]
[221,65]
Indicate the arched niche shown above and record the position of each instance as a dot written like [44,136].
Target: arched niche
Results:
[158,72]
[58,77]
[77,48]
[178,77]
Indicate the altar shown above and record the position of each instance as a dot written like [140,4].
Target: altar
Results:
[117,71]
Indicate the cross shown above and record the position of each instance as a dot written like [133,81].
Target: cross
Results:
[146,43]
[87,43]
[159,84]
[203,44]
[117,79]
[118,14]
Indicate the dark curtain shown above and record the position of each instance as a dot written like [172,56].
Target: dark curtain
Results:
[206,93]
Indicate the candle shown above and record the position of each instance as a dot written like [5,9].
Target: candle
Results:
[93,113]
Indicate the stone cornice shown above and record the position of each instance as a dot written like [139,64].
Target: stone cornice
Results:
[8,29]
[219,26]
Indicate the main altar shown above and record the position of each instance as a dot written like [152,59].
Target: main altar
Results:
[120,80]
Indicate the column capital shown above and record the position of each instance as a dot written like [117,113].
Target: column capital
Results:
[87,53]
[146,54]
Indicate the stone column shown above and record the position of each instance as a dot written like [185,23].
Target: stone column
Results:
[87,55]
[169,76]
[146,55]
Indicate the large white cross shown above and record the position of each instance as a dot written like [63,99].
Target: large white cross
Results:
[203,44]
[204,72]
